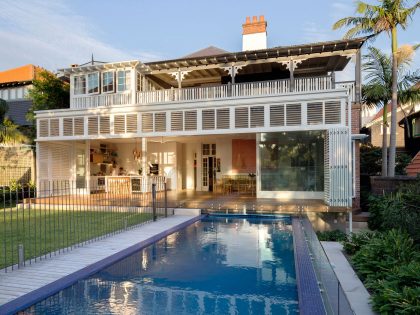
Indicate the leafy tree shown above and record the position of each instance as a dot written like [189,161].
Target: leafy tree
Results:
[373,20]
[377,90]
[48,92]
[3,109]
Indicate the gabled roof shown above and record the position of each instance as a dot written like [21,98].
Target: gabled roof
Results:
[208,51]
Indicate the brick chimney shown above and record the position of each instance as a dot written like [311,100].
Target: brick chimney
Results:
[254,34]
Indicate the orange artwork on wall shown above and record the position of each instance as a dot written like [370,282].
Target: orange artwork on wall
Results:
[244,157]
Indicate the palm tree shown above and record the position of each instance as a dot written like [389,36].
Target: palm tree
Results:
[375,19]
[377,90]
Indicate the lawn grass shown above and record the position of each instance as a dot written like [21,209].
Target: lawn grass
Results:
[47,230]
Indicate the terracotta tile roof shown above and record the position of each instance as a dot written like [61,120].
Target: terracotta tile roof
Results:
[24,73]
[208,51]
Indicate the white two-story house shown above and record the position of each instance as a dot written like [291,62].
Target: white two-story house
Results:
[277,116]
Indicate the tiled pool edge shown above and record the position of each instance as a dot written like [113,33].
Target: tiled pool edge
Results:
[310,299]
[27,300]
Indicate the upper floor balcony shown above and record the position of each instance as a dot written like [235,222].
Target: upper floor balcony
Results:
[215,92]
[304,69]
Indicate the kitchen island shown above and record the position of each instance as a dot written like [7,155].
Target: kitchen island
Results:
[126,183]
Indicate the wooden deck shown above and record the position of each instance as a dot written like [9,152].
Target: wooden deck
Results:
[22,285]
[207,201]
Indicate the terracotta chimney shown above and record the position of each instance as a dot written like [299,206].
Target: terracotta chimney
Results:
[254,34]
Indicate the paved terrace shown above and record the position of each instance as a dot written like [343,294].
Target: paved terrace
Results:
[35,282]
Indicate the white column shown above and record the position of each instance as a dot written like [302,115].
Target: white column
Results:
[133,85]
[144,165]
[87,166]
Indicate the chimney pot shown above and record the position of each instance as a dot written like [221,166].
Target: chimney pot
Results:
[254,34]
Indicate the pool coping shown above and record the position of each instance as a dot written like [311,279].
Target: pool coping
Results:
[309,294]
[31,298]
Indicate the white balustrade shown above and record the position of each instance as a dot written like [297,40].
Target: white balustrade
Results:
[249,89]
[91,101]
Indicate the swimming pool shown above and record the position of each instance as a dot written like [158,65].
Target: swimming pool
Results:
[218,265]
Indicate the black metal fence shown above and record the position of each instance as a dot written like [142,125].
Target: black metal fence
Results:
[38,223]
[335,299]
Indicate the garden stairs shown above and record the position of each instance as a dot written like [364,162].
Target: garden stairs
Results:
[413,168]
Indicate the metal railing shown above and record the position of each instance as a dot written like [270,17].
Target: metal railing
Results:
[38,223]
[335,299]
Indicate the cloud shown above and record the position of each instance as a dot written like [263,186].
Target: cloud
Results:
[51,35]
[312,33]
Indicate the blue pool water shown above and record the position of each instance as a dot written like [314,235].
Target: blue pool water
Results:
[218,265]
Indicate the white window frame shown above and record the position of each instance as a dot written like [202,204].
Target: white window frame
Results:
[103,83]
[75,85]
[127,85]
[87,83]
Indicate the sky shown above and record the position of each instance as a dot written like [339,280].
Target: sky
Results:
[57,33]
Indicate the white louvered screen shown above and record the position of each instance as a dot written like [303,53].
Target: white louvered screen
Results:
[93,125]
[276,115]
[67,126]
[315,113]
[223,118]
[332,112]
[293,114]
[241,117]
[79,126]
[119,124]
[190,122]
[43,160]
[60,162]
[327,183]
[160,122]
[177,121]
[147,122]
[104,125]
[208,119]
[340,181]
[54,127]
[257,116]
[131,123]
[43,128]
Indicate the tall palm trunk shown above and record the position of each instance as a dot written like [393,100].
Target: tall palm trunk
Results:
[384,142]
[394,100]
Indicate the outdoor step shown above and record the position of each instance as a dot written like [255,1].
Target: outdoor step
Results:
[361,217]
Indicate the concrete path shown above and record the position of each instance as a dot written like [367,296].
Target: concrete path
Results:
[20,282]
[354,289]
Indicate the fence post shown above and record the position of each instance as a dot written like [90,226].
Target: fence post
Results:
[21,256]
[166,199]
[154,201]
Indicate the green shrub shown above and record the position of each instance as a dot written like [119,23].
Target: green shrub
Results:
[399,293]
[385,251]
[400,210]
[332,236]
[355,241]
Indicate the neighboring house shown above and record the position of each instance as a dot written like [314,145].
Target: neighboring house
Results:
[375,127]
[412,139]
[275,112]
[14,86]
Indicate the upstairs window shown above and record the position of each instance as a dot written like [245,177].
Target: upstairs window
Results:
[123,80]
[416,127]
[108,82]
[93,83]
[79,85]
